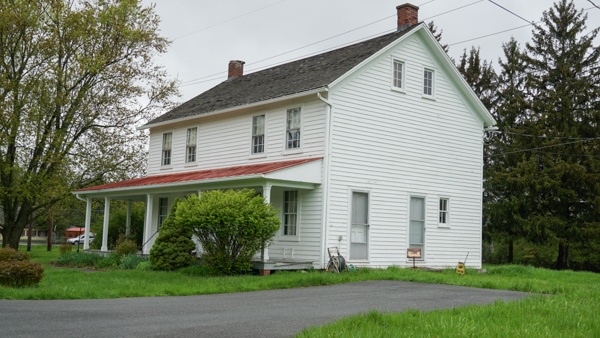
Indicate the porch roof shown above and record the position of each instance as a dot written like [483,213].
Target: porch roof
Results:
[262,170]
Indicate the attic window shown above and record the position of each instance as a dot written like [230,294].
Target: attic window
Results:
[398,75]
[190,144]
[428,81]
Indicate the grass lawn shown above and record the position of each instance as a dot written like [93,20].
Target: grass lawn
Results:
[569,308]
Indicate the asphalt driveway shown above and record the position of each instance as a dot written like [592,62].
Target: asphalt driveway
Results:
[273,313]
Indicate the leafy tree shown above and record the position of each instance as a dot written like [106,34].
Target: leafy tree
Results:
[71,77]
[173,247]
[231,226]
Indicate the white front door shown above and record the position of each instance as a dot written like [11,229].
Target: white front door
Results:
[416,230]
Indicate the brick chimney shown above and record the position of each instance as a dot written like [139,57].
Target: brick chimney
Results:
[236,69]
[408,15]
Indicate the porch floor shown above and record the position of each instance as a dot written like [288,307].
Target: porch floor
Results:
[282,264]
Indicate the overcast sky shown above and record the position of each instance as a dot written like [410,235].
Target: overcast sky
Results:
[206,34]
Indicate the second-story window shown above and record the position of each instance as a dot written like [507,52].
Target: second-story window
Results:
[258,134]
[293,128]
[190,145]
[166,148]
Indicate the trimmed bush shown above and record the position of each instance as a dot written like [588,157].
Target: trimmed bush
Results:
[131,261]
[173,247]
[231,226]
[126,247]
[10,254]
[144,266]
[16,270]
[20,273]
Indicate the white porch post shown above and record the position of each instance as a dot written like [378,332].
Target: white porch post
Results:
[105,225]
[148,223]
[128,220]
[88,218]
[264,256]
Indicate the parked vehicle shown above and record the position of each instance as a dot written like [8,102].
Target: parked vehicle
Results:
[79,239]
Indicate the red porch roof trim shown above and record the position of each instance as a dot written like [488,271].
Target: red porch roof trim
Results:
[252,169]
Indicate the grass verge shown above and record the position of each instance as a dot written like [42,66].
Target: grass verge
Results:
[571,311]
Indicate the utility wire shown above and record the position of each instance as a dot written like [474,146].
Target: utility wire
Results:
[228,20]
[513,13]
[551,137]
[194,81]
[590,1]
[542,147]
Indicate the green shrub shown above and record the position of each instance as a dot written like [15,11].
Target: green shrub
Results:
[126,247]
[20,273]
[113,260]
[65,248]
[173,247]
[231,226]
[10,254]
[144,266]
[131,261]
[77,259]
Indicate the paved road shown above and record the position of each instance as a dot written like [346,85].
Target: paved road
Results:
[274,313]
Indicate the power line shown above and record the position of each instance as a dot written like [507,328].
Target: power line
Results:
[590,1]
[511,12]
[551,137]
[543,147]
[228,20]
[194,81]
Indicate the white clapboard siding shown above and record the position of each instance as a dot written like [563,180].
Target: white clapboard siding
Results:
[225,141]
[307,245]
[394,145]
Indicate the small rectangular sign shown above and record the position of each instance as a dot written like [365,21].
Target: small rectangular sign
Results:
[413,253]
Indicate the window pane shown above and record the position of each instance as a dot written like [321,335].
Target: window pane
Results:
[360,208]
[167,141]
[417,209]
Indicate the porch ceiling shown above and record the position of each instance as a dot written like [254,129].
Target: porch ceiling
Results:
[303,173]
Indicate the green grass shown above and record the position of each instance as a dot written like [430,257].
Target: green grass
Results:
[568,306]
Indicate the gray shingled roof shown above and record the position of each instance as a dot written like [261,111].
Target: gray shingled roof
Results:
[286,79]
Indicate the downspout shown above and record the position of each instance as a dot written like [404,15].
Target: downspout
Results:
[326,174]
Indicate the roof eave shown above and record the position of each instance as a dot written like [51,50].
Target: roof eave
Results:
[232,109]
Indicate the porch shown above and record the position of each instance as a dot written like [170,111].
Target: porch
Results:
[158,193]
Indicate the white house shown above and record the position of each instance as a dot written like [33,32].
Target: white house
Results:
[375,147]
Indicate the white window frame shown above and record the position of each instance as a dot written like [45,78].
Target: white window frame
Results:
[191,148]
[425,84]
[298,128]
[256,136]
[444,215]
[163,210]
[166,158]
[401,86]
[293,214]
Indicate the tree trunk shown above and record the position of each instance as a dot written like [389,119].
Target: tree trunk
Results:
[511,251]
[11,236]
[562,261]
